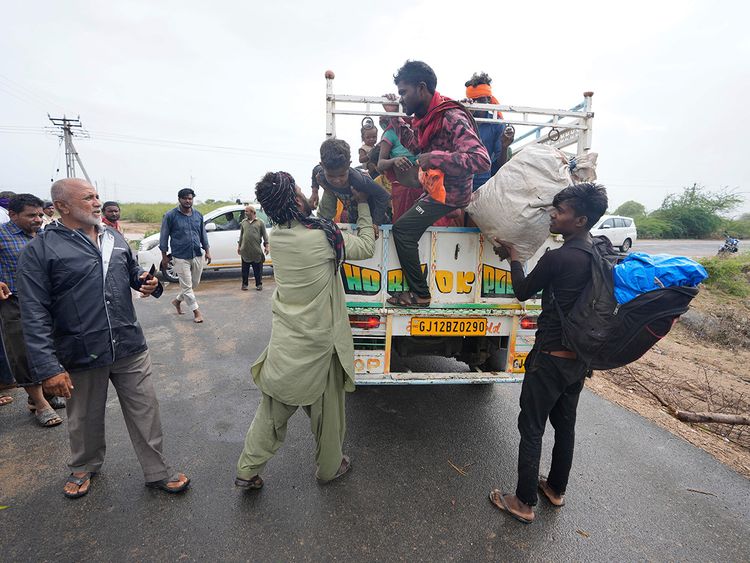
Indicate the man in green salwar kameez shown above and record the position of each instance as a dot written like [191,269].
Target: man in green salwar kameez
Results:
[309,361]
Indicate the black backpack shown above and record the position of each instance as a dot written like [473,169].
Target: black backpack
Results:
[607,335]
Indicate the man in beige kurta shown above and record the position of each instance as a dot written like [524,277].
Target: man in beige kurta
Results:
[309,361]
[252,232]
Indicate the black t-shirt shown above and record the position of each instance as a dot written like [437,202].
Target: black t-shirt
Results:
[377,198]
[564,271]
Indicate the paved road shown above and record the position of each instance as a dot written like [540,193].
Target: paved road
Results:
[693,248]
[635,491]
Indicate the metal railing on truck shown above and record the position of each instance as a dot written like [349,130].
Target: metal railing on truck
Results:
[562,129]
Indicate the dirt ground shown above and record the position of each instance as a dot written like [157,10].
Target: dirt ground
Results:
[139,229]
[702,365]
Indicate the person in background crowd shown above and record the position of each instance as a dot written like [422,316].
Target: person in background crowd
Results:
[252,232]
[182,228]
[335,175]
[111,215]
[231,224]
[6,377]
[369,133]
[74,262]
[4,200]
[444,136]
[49,213]
[26,214]
[554,375]
[478,90]
[310,319]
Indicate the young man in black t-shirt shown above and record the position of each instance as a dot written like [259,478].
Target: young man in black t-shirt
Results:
[554,375]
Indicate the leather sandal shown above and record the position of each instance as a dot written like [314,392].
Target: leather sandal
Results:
[79,482]
[162,484]
[255,482]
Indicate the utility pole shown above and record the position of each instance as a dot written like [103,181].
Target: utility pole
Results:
[66,127]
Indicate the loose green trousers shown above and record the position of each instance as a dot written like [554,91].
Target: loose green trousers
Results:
[327,422]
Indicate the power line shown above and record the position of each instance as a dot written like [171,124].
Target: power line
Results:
[25,93]
[68,129]
[162,143]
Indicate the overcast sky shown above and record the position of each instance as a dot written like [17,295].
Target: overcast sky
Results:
[669,79]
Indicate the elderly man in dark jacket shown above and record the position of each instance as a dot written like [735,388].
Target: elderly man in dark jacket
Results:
[81,333]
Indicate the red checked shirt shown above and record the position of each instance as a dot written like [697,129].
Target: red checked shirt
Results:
[456,150]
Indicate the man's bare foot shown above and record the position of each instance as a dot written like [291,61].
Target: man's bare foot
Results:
[177,305]
[197,317]
[510,504]
[552,496]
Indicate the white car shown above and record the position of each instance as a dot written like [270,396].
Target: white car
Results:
[223,229]
[619,230]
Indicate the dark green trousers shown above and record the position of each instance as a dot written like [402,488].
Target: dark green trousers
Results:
[407,230]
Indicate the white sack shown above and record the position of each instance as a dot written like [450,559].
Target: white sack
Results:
[514,204]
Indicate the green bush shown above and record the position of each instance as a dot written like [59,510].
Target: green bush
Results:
[739,228]
[631,209]
[153,212]
[652,226]
[729,274]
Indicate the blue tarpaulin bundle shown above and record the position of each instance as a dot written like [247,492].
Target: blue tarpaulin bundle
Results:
[641,272]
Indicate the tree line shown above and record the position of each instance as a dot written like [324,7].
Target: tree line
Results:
[694,213]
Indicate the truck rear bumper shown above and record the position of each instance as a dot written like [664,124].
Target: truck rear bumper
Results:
[414,378]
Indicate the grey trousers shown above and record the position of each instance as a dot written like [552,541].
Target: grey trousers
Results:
[131,378]
[189,273]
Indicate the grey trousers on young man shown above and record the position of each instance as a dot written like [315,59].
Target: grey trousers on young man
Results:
[131,378]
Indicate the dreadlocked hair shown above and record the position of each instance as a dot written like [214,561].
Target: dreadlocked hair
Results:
[277,196]
[478,78]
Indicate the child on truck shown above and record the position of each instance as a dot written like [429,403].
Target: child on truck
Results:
[554,375]
[369,134]
[337,178]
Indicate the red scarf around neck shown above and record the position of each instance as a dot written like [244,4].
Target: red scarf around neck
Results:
[432,121]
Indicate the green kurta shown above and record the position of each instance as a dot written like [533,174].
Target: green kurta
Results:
[310,320]
[251,234]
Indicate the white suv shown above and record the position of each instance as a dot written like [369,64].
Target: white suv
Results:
[223,229]
[620,231]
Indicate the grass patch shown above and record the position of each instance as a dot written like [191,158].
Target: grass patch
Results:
[153,212]
[729,274]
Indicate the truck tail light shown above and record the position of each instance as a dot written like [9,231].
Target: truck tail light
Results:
[365,322]
[528,323]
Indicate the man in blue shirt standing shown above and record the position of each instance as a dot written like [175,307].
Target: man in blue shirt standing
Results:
[182,229]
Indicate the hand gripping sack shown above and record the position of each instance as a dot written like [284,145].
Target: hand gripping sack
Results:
[607,335]
[514,204]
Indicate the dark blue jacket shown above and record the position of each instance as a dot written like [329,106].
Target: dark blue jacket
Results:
[73,317]
[187,234]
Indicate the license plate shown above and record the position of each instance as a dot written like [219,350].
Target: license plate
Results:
[441,326]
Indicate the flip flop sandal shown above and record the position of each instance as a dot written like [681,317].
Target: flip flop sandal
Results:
[255,482]
[79,481]
[5,400]
[344,468]
[555,503]
[48,418]
[497,498]
[162,485]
